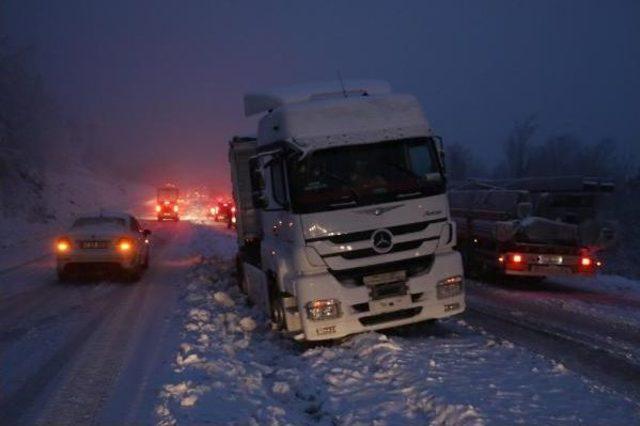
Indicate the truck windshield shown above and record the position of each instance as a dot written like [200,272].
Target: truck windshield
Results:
[168,194]
[348,176]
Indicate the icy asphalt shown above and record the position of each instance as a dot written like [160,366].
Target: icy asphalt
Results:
[182,347]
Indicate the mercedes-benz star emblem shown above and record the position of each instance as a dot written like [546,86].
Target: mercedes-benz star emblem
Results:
[382,240]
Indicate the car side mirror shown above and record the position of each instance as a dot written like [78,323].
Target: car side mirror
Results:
[146,232]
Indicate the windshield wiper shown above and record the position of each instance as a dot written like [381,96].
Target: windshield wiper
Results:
[408,172]
[356,196]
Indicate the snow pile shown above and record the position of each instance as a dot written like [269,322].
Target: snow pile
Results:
[231,368]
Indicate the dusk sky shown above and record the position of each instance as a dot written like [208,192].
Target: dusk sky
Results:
[163,80]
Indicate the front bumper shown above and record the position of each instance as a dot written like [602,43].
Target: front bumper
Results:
[359,314]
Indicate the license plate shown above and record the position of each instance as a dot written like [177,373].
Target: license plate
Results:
[549,260]
[386,277]
[551,270]
[390,304]
[94,244]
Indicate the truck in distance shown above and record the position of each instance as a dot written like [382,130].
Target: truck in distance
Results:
[167,203]
[342,213]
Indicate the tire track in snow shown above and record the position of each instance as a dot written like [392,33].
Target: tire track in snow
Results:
[578,353]
[17,404]
[95,368]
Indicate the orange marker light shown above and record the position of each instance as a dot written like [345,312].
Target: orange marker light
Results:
[125,245]
[63,246]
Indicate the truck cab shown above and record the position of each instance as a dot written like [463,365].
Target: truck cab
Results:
[343,217]
[167,203]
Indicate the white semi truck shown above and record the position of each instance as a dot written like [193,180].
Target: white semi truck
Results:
[343,218]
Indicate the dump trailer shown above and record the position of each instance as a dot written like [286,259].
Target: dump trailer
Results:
[342,213]
[497,232]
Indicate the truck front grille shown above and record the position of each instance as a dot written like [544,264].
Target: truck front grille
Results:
[412,266]
[359,254]
[390,316]
[366,235]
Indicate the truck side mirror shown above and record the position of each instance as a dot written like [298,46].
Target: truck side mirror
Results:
[257,178]
[440,150]
[259,200]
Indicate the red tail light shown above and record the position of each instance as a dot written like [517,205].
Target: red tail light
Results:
[586,261]
[158,208]
[514,261]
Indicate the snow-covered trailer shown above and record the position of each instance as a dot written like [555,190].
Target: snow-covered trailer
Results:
[497,232]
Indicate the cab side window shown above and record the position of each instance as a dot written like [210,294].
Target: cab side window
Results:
[278,183]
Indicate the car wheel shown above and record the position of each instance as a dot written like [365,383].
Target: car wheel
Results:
[145,263]
[63,277]
[132,275]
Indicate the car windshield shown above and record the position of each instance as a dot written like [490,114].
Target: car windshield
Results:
[102,220]
[344,177]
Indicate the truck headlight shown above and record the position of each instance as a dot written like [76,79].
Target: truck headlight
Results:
[323,309]
[450,287]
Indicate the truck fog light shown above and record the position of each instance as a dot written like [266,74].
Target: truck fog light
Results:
[323,309]
[450,287]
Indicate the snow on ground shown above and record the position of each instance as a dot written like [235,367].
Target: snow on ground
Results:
[231,368]
[607,296]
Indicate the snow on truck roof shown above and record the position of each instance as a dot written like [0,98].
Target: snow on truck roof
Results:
[344,121]
[264,101]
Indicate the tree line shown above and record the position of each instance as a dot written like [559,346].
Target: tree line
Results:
[522,155]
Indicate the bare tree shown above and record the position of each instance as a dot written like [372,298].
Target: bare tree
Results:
[517,147]
[461,163]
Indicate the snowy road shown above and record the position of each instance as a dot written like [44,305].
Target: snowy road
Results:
[89,352]
[182,346]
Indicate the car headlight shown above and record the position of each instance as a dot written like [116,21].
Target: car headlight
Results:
[323,309]
[450,287]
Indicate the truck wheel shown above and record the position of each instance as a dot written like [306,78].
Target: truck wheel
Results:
[240,280]
[278,318]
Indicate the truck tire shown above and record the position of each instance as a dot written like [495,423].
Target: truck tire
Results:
[240,279]
[276,308]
